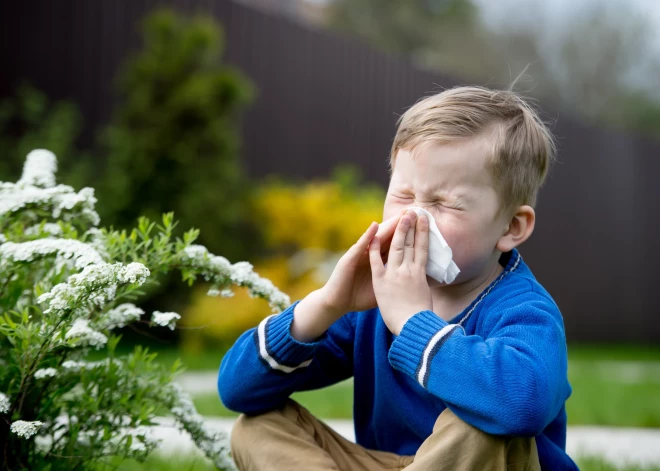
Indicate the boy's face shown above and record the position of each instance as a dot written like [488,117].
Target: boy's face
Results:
[451,182]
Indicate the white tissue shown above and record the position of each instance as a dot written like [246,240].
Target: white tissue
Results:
[440,265]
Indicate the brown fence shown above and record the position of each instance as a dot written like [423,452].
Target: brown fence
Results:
[325,99]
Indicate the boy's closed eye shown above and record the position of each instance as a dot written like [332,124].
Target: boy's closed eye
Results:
[434,204]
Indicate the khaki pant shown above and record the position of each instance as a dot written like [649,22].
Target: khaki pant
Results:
[291,438]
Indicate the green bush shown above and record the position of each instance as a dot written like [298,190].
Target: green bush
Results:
[173,143]
[30,120]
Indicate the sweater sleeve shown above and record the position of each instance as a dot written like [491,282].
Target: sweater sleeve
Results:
[513,382]
[266,364]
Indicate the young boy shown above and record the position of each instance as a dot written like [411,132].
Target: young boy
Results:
[470,375]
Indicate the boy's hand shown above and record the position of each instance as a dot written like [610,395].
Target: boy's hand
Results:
[400,287]
[350,287]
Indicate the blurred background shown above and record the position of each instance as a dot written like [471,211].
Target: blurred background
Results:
[267,124]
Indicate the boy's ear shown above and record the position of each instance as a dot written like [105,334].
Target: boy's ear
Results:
[519,229]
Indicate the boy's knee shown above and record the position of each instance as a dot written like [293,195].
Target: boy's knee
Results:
[449,423]
[520,453]
[240,434]
[248,430]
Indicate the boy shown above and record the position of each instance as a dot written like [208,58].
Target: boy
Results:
[470,375]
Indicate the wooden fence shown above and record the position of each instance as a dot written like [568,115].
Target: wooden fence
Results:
[325,99]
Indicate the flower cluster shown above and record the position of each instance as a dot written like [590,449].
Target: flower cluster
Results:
[75,366]
[45,373]
[25,429]
[49,228]
[4,403]
[213,443]
[83,334]
[80,253]
[95,283]
[37,188]
[221,272]
[165,319]
[120,316]
[39,169]
[62,201]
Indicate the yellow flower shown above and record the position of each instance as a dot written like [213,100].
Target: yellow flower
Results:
[308,226]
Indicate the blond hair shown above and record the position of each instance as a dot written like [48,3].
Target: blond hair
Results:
[523,147]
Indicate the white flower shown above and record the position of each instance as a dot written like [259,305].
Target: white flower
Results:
[84,335]
[45,373]
[196,251]
[95,237]
[226,293]
[96,282]
[135,273]
[241,272]
[74,365]
[39,169]
[214,292]
[165,319]
[214,443]
[82,254]
[220,272]
[61,199]
[49,228]
[25,429]
[120,316]
[4,403]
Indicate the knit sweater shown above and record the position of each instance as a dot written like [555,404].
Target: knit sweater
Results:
[499,365]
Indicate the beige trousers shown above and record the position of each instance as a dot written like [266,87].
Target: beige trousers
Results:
[291,438]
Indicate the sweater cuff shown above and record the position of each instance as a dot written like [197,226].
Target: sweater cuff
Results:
[419,341]
[278,348]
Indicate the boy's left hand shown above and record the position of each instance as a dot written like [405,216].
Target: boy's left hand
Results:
[400,287]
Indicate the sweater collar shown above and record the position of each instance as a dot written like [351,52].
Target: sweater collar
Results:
[511,261]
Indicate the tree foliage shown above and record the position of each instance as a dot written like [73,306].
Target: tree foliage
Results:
[173,141]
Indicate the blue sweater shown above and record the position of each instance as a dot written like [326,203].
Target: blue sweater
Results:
[500,365]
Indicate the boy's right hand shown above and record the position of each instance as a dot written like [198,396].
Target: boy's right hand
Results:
[350,286]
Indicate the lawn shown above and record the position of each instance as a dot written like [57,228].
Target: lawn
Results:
[615,386]
[192,463]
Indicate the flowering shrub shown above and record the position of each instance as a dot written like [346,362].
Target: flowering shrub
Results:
[65,285]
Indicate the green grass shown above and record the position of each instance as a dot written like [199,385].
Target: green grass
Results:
[600,397]
[597,464]
[614,385]
[335,401]
[597,352]
[158,462]
[204,361]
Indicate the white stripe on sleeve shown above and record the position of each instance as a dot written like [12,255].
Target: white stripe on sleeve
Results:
[261,333]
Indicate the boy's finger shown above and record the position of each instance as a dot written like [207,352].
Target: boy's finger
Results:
[409,242]
[386,231]
[377,267]
[422,241]
[363,242]
[398,240]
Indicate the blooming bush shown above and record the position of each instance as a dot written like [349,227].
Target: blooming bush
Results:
[323,214]
[65,285]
